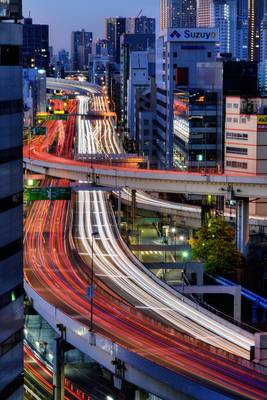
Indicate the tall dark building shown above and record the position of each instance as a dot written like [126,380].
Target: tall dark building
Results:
[35,51]
[115,27]
[141,24]
[81,47]
[11,206]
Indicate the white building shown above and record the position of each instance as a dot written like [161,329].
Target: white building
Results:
[246,141]
[246,136]
[177,55]
[138,79]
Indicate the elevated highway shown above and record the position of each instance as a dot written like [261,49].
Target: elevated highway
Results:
[146,180]
[212,362]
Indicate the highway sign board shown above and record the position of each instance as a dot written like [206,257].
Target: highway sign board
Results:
[90,292]
[52,117]
[50,193]
[40,130]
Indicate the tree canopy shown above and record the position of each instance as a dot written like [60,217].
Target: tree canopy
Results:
[214,245]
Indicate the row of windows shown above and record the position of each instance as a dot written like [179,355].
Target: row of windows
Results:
[161,91]
[236,164]
[236,120]
[11,342]
[161,115]
[10,296]
[11,249]
[232,105]
[161,103]
[236,150]
[12,387]
[8,155]
[237,135]
[11,107]
[10,202]
[10,55]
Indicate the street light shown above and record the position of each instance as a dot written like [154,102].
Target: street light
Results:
[173,230]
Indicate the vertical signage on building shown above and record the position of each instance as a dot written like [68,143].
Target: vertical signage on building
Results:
[262,123]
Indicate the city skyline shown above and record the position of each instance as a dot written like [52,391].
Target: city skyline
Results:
[78,19]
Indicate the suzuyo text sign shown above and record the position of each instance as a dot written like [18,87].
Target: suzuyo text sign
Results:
[193,35]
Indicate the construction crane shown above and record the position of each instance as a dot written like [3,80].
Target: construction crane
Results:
[140,12]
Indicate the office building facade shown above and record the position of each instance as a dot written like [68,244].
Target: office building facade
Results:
[141,24]
[11,209]
[115,27]
[132,43]
[225,20]
[195,132]
[245,135]
[81,47]
[178,14]
[263,54]
[242,34]
[138,79]
[205,13]
[35,50]
[255,17]
[177,55]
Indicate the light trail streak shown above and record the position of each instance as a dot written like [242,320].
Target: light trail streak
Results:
[62,278]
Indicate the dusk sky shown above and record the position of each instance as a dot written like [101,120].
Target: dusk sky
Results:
[64,16]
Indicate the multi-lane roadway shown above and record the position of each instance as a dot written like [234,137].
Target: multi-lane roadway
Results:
[132,307]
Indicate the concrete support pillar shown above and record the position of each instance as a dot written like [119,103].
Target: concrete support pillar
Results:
[133,208]
[242,225]
[237,303]
[58,370]
[261,348]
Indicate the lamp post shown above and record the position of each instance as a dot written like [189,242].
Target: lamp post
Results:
[174,237]
[91,292]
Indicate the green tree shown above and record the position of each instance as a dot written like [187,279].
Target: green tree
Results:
[214,246]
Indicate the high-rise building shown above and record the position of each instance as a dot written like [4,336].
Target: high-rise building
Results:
[11,204]
[205,13]
[115,27]
[138,79]
[225,20]
[178,14]
[129,44]
[255,16]
[177,56]
[242,42]
[64,59]
[196,130]
[263,54]
[81,47]
[35,50]
[141,24]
